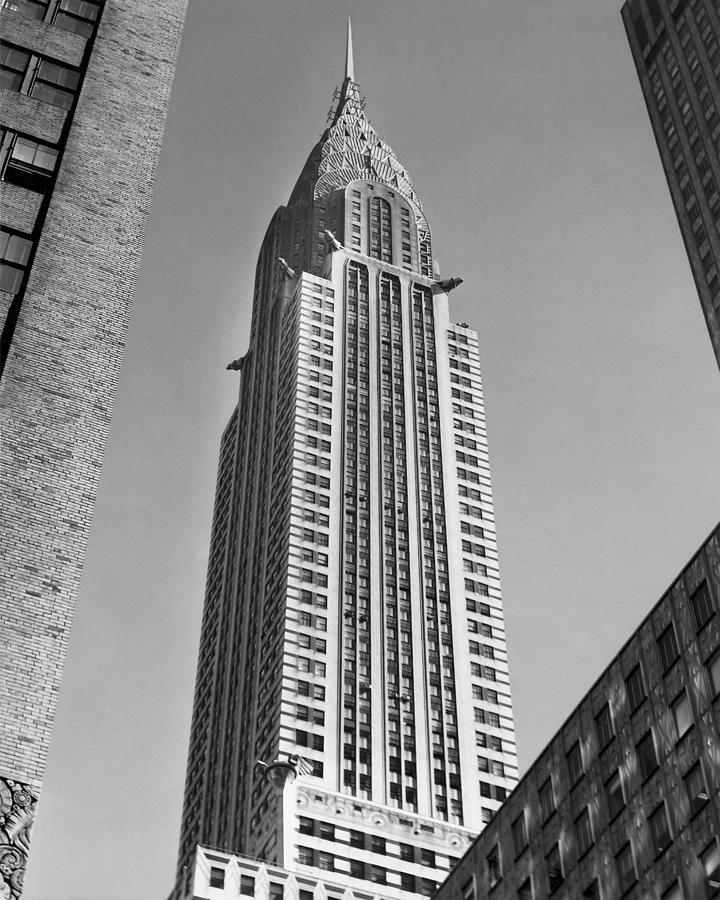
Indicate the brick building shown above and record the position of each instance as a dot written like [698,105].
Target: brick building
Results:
[84,91]
[624,801]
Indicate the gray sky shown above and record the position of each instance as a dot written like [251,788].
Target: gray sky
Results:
[523,126]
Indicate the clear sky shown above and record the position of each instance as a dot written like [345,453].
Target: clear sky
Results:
[523,126]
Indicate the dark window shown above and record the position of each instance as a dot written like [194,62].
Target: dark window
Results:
[702,605]
[603,727]
[357,868]
[377,843]
[713,669]
[427,857]
[276,889]
[525,891]
[217,877]
[13,65]
[78,16]
[647,758]
[710,860]
[247,885]
[33,9]
[30,164]
[326,830]
[583,830]
[574,763]
[14,255]
[55,84]
[695,788]
[682,714]
[325,861]
[641,31]
[519,834]
[635,688]
[660,829]
[305,856]
[407,852]
[407,883]
[667,647]
[655,14]
[357,839]
[626,869]
[493,865]
[305,825]
[378,874]
[614,794]
[554,868]
[547,801]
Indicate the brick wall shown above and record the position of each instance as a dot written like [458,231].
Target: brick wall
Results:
[57,390]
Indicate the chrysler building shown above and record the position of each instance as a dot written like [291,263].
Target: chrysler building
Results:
[352,728]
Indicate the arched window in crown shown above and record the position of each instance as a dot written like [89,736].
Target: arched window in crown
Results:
[380,230]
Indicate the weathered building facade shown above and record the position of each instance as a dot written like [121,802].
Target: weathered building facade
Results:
[625,799]
[84,91]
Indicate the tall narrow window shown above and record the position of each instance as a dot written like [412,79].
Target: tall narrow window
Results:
[667,647]
[702,605]
[710,859]
[554,868]
[380,230]
[647,758]
[635,688]
[603,727]
[660,829]
[626,868]
[583,830]
[614,794]
[519,834]
[493,864]
[14,255]
[695,788]
[682,714]
[574,763]
[547,800]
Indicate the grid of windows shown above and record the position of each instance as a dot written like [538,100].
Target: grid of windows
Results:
[357,689]
[440,654]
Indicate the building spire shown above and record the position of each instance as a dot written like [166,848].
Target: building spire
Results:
[349,62]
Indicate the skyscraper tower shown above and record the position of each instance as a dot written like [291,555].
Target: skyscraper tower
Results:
[352,720]
[674,45]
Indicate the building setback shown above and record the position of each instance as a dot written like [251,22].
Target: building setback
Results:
[352,721]
[675,47]
[623,802]
[84,91]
